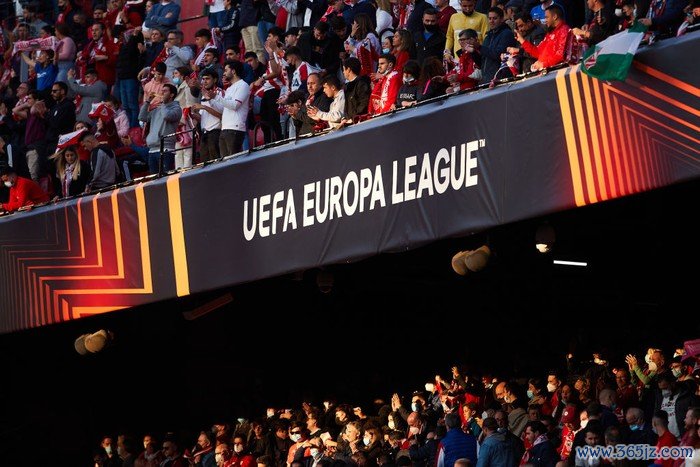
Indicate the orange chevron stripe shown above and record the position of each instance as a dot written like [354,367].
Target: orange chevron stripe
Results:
[655,109]
[599,169]
[661,169]
[616,149]
[626,169]
[671,129]
[653,130]
[637,173]
[178,236]
[667,78]
[604,136]
[583,137]
[682,160]
[664,98]
[567,122]
[145,264]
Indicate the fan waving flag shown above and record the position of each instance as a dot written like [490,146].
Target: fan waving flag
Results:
[69,139]
[611,59]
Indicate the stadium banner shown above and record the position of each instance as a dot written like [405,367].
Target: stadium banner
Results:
[445,169]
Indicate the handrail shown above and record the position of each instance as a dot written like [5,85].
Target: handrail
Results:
[191,18]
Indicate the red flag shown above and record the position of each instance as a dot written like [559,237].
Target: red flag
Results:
[69,139]
[101,111]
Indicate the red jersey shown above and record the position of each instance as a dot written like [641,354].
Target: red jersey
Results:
[552,49]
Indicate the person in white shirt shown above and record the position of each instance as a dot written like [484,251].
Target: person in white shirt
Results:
[209,112]
[334,90]
[235,114]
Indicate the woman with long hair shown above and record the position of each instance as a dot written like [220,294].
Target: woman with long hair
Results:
[364,44]
[404,48]
[432,80]
[72,174]
[83,153]
[106,132]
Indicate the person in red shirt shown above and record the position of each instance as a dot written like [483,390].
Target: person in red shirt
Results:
[666,438]
[386,86]
[23,191]
[551,51]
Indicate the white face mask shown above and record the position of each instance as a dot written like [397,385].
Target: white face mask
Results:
[367,441]
[9,184]
[270,413]
[647,358]
[551,387]
[295,437]
[108,449]
[238,448]
[391,425]
[653,367]
[219,458]
[414,430]
[618,12]
[314,452]
[430,387]
[676,372]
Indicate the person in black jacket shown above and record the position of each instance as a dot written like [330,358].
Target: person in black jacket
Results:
[431,41]
[357,89]
[72,174]
[321,49]
[61,116]
[129,62]
[296,109]
[541,452]
[497,40]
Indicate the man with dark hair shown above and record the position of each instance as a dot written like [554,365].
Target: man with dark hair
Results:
[23,191]
[494,451]
[209,112]
[258,67]
[430,42]
[129,63]
[296,109]
[61,116]
[102,162]
[233,52]
[541,452]
[235,112]
[333,89]
[321,48]
[91,91]
[533,33]
[456,444]
[552,50]
[357,88]
[384,90]
[163,120]
[497,40]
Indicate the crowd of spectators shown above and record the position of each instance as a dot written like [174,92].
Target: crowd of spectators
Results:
[124,75]
[466,420]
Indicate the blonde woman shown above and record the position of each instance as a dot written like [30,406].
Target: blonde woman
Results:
[72,174]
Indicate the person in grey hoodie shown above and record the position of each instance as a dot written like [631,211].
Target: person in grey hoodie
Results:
[105,171]
[163,120]
[91,91]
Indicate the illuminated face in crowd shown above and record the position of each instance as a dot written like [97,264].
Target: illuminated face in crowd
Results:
[97,31]
[467,6]
[313,84]
[384,66]
[550,20]
[523,27]
[494,20]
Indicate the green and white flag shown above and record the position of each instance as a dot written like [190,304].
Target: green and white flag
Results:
[611,59]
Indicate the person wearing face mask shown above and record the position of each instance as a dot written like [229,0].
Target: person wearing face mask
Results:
[637,431]
[674,399]
[406,97]
[222,454]
[655,364]
[666,438]
[372,443]
[107,454]
[23,191]
[240,457]
[430,42]
[299,435]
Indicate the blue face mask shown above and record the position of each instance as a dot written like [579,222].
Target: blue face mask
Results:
[177,81]
[634,427]
[386,51]
[530,394]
